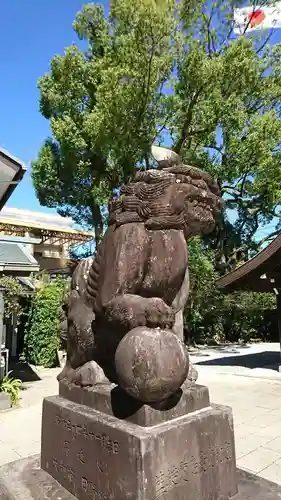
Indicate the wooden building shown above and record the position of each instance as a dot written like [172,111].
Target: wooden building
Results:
[262,273]
[12,171]
[29,241]
[13,258]
[50,236]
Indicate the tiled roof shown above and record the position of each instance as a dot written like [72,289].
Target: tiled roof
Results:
[11,172]
[248,275]
[14,253]
[41,221]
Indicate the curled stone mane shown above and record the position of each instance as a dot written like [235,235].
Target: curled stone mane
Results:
[138,277]
[166,198]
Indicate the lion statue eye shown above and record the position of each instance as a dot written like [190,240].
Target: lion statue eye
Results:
[178,181]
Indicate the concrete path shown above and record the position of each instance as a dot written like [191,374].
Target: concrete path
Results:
[256,403]
[261,360]
[20,428]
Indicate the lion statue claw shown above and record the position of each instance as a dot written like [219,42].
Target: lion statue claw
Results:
[139,275]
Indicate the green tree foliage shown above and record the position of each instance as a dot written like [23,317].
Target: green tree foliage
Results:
[42,330]
[104,105]
[227,120]
[13,293]
[214,317]
[172,72]
[166,71]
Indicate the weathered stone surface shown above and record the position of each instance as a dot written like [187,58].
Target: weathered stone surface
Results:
[139,278]
[98,456]
[151,364]
[112,400]
[76,317]
[5,401]
[25,480]
[252,487]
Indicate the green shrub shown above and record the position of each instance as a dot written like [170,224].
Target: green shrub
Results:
[212,316]
[13,293]
[42,330]
[12,387]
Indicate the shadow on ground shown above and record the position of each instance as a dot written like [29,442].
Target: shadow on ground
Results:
[204,351]
[266,359]
[22,370]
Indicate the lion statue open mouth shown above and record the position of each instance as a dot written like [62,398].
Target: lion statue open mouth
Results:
[139,275]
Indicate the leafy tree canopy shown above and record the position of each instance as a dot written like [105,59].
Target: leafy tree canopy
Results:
[166,71]
[104,105]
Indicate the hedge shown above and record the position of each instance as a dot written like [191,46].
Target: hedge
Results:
[214,317]
[42,340]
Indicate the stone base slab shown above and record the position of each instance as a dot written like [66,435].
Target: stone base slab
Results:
[97,456]
[25,480]
[110,399]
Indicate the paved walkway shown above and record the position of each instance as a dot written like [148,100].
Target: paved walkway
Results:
[20,428]
[256,405]
[261,360]
[255,398]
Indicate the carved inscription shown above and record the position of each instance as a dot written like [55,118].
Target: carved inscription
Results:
[105,441]
[95,491]
[102,467]
[65,450]
[81,457]
[66,471]
[87,486]
[181,473]
[107,444]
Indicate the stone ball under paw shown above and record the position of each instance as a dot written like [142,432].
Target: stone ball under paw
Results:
[151,364]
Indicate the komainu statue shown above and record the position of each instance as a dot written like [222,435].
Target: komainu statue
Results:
[125,308]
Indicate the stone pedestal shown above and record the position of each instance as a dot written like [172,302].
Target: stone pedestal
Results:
[25,480]
[110,399]
[96,455]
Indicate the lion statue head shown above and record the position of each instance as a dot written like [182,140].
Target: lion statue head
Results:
[173,196]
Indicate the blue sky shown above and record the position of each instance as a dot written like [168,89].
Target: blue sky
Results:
[32,32]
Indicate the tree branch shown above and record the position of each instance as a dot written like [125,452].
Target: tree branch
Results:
[233,188]
[275,214]
[185,132]
[163,126]
[243,184]
[249,21]
[208,20]
[265,42]
[146,159]
[216,148]
[192,133]
[97,223]
[268,238]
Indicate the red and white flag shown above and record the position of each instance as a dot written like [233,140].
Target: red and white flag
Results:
[249,19]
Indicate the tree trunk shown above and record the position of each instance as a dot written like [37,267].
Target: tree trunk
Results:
[98,224]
